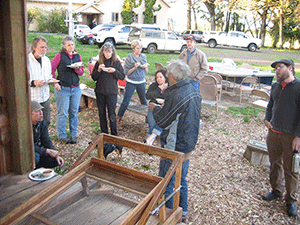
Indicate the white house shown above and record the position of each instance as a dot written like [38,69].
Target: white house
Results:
[105,11]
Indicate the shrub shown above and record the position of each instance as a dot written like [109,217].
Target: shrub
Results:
[50,21]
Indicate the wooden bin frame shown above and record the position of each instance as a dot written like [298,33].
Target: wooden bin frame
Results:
[153,187]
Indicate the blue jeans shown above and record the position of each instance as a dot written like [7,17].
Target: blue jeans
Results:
[129,90]
[67,100]
[164,166]
[153,127]
[196,84]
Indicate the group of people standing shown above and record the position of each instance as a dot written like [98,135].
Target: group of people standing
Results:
[67,96]
[174,107]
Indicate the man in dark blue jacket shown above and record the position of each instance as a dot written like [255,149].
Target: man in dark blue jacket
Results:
[45,154]
[283,121]
[179,117]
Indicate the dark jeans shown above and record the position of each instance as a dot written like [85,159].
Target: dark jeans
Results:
[45,161]
[129,90]
[46,110]
[281,175]
[109,102]
[196,84]
[164,166]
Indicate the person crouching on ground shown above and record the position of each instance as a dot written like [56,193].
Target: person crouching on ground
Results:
[179,118]
[283,122]
[107,71]
[45,154]
[154,94]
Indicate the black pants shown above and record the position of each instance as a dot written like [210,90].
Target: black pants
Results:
[109,102]
[46,161]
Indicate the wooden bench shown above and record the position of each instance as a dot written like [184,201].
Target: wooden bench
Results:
[257,153]
[88,98]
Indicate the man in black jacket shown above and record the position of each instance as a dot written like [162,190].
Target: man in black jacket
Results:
[283,121]
[45,154]
[179,117]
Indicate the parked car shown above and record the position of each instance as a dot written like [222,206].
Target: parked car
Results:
[196,33]
[101,27]
[86,38]
[117,35]
[157,40]
[232,38]
[81,29]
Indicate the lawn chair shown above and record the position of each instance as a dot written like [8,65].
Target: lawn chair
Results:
[259,98]
[219,84]
[247,85]
[209,91]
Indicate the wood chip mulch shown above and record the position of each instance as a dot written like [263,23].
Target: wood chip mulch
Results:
[224,188]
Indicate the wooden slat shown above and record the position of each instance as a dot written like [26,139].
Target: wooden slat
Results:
[19,189]
[165,153]
[96,209]
[174,217]
[42,219]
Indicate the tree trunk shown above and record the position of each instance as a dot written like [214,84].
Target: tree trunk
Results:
[275,36]
[262,34]
[211,9]
[280,43]
[195,18]
[189,16]
[227,21]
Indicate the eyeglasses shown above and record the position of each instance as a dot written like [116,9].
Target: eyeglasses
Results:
[279,67]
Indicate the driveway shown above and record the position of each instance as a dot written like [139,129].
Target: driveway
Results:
[261,57]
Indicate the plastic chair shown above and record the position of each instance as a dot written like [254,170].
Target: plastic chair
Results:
[247,85]
[209,91]
[228,61]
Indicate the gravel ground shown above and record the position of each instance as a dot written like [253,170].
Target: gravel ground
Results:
[224,188]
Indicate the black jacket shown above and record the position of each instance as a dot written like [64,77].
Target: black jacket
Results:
[154,92]
[41,138]
[179,117]
[67,76]
[284,108]
[107,83]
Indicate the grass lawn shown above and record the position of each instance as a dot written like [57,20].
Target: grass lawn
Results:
[89,51]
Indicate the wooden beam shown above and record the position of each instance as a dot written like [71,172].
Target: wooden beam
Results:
[16,77]
[39,217]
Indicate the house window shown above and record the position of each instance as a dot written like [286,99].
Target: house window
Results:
[135,18]
[115,17]
[154,19]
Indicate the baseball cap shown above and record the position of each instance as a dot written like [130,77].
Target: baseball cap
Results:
[35,106]
[190,37]
[287,62]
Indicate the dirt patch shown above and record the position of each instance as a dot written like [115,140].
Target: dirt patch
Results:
[224,188]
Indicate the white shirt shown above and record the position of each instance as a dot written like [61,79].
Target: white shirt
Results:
[39,72]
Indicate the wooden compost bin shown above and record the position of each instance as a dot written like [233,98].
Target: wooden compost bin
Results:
[84,195]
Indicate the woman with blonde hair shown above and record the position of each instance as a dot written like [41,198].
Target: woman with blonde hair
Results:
[135,68]
[107,71]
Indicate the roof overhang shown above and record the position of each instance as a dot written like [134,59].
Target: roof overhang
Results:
[89,9]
